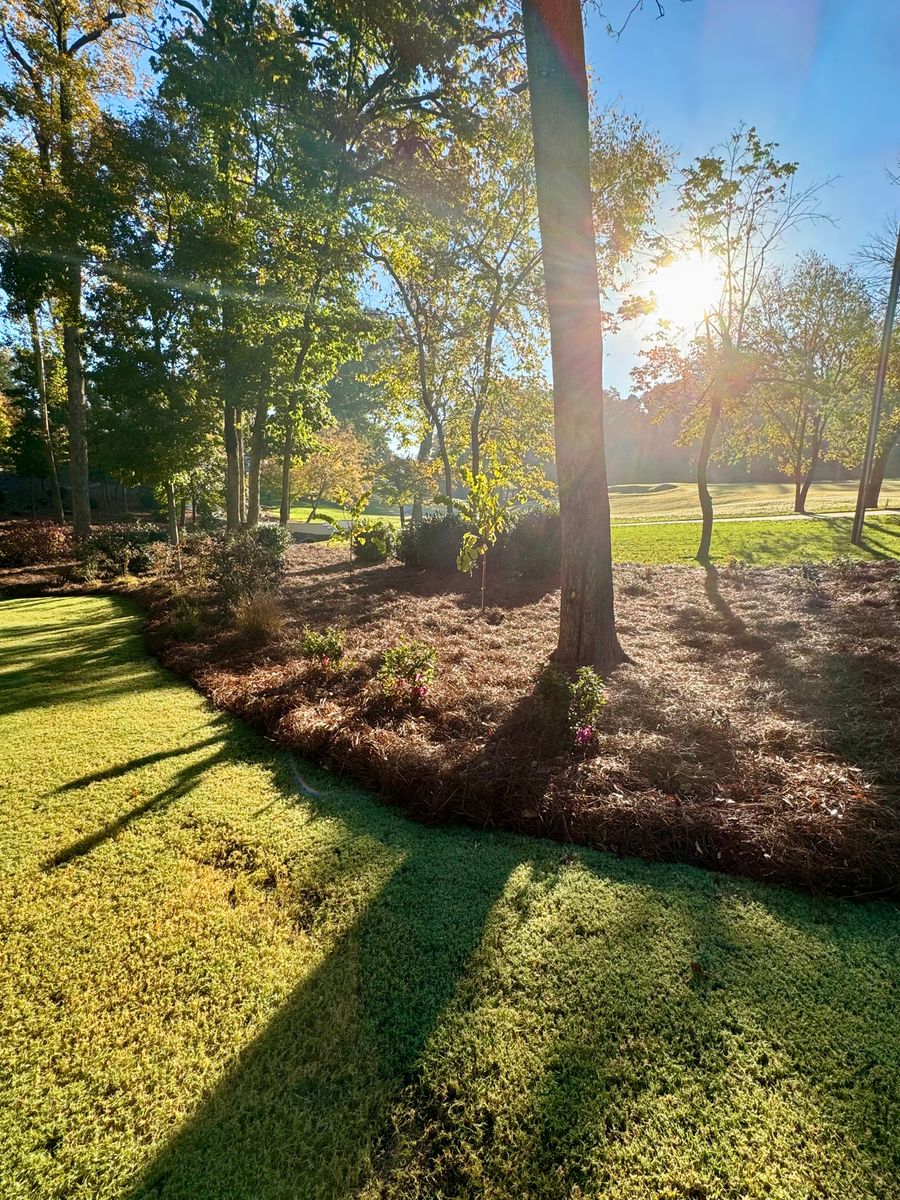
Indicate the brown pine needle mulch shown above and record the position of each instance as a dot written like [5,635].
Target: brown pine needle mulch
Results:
[755,731]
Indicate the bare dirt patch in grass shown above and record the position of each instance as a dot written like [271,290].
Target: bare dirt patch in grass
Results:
[755,731]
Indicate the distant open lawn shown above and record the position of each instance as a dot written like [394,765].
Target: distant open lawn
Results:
[657,501]
[213,987]
[763,543]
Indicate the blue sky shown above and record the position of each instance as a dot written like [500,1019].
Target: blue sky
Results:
[820,77]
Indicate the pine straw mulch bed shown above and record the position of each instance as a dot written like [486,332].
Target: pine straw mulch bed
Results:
[756,730]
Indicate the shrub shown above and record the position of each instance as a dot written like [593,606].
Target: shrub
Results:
[121,549]
[432,544]
[29,543]
[408,670]
[248,561]
[373,541]
[531,547]
[185,619]
[328,647]
[569,705]
[258,617]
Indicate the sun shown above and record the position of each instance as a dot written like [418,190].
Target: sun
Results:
[686,290]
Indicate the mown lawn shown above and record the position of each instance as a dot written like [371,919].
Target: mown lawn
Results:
[214,987]
[657,501]
[762,543]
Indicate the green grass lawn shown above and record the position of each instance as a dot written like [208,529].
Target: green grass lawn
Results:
[301,512]
[214,988]
[762,543]
[658,501]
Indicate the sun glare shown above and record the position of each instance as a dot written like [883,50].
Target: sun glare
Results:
[686,290]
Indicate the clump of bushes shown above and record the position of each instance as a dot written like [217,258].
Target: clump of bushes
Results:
[31,543]
[185,619]
[258,617]
[432,544]
[120,549]
[408,670]
[327,647]
[246,562]
[532,546]
[569,705]
[373,541]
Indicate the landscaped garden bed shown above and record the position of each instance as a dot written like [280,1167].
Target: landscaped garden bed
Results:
[756,729]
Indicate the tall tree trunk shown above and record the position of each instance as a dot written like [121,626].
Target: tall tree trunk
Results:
[814,453]
[422,457]
[706,504]
[402,508]
[285,514]
[37,347]
[799,497]
[445,460]
[554,44]
[232,474]
[182,512]
[257,453]
[242,478]
[315,507]
[876,475]
[79,478]
[173,514]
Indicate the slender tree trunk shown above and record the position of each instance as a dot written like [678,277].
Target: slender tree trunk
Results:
[173,514]
[315,507]
[876,475]
[422,457]
[232,474]
[706,504]
[125,496]
[285,514]
[79,478]
[37,346]
[242,480]
[799,498]
[814,453]
[182,512]
[402,515]
[445,460]
[554,43]
[257,453]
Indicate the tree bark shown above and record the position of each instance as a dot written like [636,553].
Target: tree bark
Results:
[79,478]
[285,514]
[706,504]
[173,514]
[257,453]
[554,44]
[876,475]
[242,478]
[37,346]
[815,451]
[422,457]
[232,474]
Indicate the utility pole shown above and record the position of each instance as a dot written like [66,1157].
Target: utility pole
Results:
[881,375]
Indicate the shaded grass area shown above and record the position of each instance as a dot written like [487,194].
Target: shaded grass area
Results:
[214,986]
[760,543]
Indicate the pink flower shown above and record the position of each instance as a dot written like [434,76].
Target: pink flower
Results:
[583,734]
[326,661]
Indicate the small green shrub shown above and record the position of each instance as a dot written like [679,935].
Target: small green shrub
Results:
[432,544]
[408,670]
[248,561]
[123,548]
[31,543]
[569,705]
[327,647]
[373,541]
[185,619]
[258,617]
[531,546]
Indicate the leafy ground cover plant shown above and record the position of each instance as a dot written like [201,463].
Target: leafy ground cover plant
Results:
[408,669]
[373,541]
[246,561]
[569,705]
[326,645]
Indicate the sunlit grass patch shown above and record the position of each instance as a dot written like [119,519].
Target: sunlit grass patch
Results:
[214,987]
[760,543]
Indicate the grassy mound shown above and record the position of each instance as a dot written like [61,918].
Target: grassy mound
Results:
[213,986]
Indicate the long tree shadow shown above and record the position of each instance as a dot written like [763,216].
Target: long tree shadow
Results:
[301,1110]
[136,764]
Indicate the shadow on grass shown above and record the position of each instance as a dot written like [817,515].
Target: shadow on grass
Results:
[301,1110]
